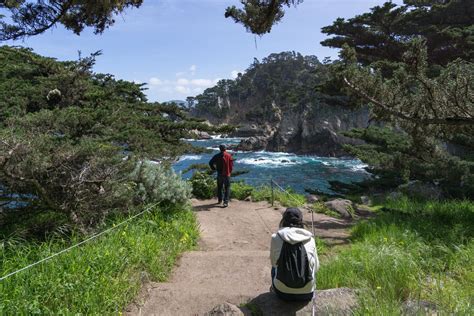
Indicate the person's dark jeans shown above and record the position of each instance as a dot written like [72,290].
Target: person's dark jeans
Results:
[290,297]
[223,188]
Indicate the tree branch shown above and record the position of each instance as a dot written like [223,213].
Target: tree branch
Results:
[36,31]
[455,120]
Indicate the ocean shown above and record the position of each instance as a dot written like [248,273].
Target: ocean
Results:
[298,172]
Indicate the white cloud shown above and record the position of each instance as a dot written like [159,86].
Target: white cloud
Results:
[182,81]
[180,74]
[182,89]
[155,81]
[205,83]
[165,90]
[192,69]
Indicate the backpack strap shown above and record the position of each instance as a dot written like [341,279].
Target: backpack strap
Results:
[278,234]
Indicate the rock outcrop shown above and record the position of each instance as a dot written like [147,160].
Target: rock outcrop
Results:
[342,206]
[411,307]
[418,189]
[277,101]
[316,131]
[253,143]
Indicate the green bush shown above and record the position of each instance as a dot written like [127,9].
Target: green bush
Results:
[155,182]
[240,190]
[204,186]
[70,139]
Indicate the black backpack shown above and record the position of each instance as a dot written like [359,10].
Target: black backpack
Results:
[293,265]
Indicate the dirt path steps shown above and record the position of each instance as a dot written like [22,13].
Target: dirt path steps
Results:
[232,261]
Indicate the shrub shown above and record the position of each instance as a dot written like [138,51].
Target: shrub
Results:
[240,190]
[203,185]
[70,139]
[157,183]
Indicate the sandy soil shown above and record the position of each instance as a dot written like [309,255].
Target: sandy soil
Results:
[232,261]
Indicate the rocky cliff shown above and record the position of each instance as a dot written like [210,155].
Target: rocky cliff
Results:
[277,107]
[316,130]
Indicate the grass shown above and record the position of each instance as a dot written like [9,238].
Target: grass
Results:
[319,207]
[103,275]
[410,251]
[240,191]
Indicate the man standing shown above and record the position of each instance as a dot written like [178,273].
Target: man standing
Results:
[223,163]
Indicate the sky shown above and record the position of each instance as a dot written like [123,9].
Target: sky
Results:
[181,47]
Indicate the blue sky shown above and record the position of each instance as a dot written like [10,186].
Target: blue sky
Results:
[180,47]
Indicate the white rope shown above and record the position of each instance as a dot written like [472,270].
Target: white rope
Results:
[291,195]
[77,245]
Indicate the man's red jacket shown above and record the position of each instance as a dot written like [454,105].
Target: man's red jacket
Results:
[223,163]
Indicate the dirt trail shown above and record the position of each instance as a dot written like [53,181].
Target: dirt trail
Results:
[232,261]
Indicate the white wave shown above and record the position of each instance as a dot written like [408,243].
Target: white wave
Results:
[274,153]
[236,151]
[360,167]
[190,157]
[269,162]
[352,164]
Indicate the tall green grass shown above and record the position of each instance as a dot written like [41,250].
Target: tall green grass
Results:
[240,190]
[101,276]
[410,251]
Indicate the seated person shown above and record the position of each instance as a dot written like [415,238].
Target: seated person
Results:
[294,258]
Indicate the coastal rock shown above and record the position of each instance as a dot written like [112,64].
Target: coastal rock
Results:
[315,130]
[395,195]
[200,134]
[365,200]
[248,131]
[342,206]
[363,210]
[311,198]
[225,309]
[418,189]
[252,143]
[276,100]
[412,307]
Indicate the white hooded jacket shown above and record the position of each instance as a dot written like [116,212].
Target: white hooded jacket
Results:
[294,235]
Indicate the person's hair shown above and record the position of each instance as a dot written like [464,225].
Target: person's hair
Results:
[288,221]
[222,147]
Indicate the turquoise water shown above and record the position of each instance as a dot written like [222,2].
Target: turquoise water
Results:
[289,170]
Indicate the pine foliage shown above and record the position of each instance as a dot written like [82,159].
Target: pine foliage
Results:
[70,140]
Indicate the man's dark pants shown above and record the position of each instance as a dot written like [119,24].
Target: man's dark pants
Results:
[223,188]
